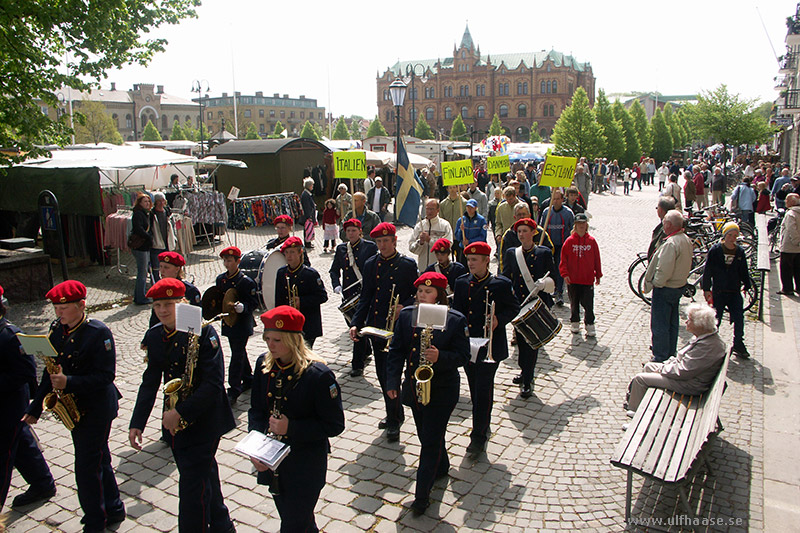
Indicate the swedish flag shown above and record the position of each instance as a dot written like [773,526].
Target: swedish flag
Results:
[409,189]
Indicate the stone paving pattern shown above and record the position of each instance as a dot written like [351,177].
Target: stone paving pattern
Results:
[547,465]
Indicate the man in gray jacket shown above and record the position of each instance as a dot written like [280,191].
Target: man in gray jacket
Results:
[369,219]
[693,369]
[666,276]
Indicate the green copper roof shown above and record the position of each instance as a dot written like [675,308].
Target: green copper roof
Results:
[510,61]
[466,40]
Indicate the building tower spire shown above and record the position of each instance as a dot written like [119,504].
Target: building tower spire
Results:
[466,40]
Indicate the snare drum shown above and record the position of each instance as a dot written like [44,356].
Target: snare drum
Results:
[348,308]
[262,266]
[536,323]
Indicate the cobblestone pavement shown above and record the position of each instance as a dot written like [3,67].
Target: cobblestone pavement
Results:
[547,466]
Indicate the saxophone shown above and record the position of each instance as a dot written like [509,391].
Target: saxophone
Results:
[424,372]
[61,404]
[178,389]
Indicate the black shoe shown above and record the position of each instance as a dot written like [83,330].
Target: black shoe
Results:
[309,246]
[517,380]
[233,398]
[475,449]
[356,372]
[442,474]
[419,506]
[116,518]
[560,301]
[786,293]
[393,434]
[33,496]
[382,424]
[526,392]
[740,352]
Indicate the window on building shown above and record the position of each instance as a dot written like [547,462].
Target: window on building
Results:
[210,115]
[220,114]
[388,116]
[543,134]
[271,113]
[541,87]
[291,114]
[283,113]
[187,119]
[261,128]
[570,88]
[115,117]
[480,90]
[503,111]
[448,92]
[430,93]
[464,112]
[175,119]
[448,113]
[429,113]
[522,110]
[555,86]
[525,87]
[386,94]
[413,114]
[319,115]
[164,125]
[549,86]
[260,113]
[247,113]
[463,54]
[481,111]
[545,109]
[549,67]
[43,109]
[128,121]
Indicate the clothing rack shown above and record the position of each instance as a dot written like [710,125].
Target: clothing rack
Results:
[119,267]
[261,210]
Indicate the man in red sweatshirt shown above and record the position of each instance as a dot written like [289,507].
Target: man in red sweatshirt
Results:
[580,268]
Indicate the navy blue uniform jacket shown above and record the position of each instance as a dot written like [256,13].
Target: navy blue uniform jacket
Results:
[248,296]
[453,271]
[470,299]
[404,352]
[207,409]
[379,275]
[312,295]
[17,375]
[88,358]
[313,404]
[540,263]
[362,251]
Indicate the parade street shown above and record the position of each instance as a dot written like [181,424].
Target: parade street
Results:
[547,464]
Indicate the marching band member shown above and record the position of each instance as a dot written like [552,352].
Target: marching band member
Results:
[18,447]
[537,262]
[446,351]
[198,421]
[297,399]
[305,284]
[474,294]
[86,367]
[385,274]
[452,270]
[240,374]
[349,259]
[510,238]
[170,265]
[283,226]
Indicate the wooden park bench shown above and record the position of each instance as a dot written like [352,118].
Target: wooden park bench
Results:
[669,436]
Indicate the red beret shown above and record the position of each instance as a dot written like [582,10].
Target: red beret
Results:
[478,248]
[292,242]
[442,245]
[232,251]
[525,222]
[67,292]
[1,290]
[353,222]
[384,229]
[434,279]
[167,289]
[286,219]
[284,318]
[173,258]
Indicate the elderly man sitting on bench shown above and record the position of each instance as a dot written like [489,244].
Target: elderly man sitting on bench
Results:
[693,369]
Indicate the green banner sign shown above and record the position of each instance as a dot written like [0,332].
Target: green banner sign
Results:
[351,165]
[498,165]
[457,172]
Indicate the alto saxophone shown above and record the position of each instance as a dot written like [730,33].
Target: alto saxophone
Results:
[424,372]
[61,404]
[178,389]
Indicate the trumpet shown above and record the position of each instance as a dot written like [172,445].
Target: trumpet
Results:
[424,372]
[488,331]
[291,291]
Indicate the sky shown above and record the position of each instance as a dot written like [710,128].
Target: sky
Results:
[333,51]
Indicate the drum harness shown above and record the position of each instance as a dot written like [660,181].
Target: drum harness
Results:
[351,258]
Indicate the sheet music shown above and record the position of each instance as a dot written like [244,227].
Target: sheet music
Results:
[188,318]
[431,315]
[38,345]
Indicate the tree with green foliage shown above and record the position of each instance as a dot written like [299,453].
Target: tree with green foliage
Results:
[150,133]
[376,129]
[642,129]
[277,132]
[458,131]
[422,130]
[94,125]
[318,130]
[720,116]
[662,138]
[669,118]
[612,128]
[633,150]
[308,131]
[341,133]
[252,132]
[577,132]
[99,37]
[535,137]
[177,132]
[496,127]
[355,128]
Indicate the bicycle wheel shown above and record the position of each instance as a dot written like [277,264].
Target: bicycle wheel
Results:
[636,272]
[751,295]
[640,292]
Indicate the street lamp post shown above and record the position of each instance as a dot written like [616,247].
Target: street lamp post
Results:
[397,90]
[411,71]
[197,87]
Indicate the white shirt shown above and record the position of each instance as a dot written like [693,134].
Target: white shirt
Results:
[376,201]
[437,228]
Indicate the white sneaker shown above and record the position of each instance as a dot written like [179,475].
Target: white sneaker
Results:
[630,414]
[575,327]
[590,331]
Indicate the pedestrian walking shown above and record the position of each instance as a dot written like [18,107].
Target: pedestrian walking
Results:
[581,269]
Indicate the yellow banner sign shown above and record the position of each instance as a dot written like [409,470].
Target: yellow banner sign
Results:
[558,171]
[498,165]
[350,165]
[457,172]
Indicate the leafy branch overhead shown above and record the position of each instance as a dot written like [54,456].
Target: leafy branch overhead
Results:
[47,46]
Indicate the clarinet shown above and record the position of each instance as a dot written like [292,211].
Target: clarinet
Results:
[274,487]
